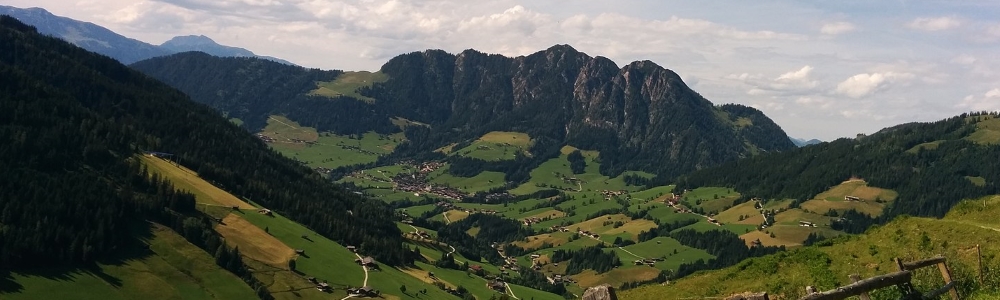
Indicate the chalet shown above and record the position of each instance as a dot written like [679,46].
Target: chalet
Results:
[367,261]
[300,251]
[364,291]
[497,286]
[534,256]
[851,198]
[264,211]
[806,224]
[352,248]
[476,268]
[637,262]
[325,287]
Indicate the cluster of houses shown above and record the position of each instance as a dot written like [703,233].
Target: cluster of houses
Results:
[265,138]
[559,228]
[531,220]
[608,194]
[417,183]
[587,233]
[322,170]
[648,261]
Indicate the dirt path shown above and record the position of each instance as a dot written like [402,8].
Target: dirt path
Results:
[364,268]
[446,220]
[630,252]
[286,124]
[510,291]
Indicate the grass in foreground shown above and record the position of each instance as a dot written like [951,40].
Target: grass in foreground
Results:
[908,238]
[172,268]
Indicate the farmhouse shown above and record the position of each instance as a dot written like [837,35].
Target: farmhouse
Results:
[364,291]
[325,287]
[496,285]
[352,248]
[368,261]
[806,224]
[851,198]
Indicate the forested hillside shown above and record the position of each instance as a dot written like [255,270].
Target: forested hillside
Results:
[251,89]
[71,123]
[931,165]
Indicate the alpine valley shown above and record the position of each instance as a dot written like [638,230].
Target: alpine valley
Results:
[187,175]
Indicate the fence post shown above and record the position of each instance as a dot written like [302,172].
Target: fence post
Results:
[856,278]
[943,266]
[979,255]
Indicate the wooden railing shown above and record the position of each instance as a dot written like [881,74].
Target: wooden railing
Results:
[901,279]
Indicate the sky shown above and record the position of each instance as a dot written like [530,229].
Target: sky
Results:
[819,69]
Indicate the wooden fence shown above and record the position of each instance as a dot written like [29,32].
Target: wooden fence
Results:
[900,279]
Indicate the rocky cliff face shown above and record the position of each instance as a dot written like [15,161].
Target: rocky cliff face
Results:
[642,111]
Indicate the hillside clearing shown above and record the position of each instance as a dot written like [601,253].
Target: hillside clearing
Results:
[186,179]
[348,83]
[254,242]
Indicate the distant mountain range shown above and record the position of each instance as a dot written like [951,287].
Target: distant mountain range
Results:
[126,50]
[803,142]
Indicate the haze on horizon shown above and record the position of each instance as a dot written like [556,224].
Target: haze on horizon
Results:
[820,70]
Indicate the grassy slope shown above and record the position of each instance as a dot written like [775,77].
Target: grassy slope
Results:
[496,145]
[480,183]
[186,179]
[347,84]
[172,268]
[909,238]
[328,150]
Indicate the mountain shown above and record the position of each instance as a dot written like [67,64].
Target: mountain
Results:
[72,127]
[85,35]
[205,44]
[803,142]
[126,50]
[640,116]
[202,43]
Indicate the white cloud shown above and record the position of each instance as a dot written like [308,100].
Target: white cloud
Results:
[934,24]
[865,84]
[836,28]
[990,101]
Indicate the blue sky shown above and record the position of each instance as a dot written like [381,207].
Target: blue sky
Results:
[820,69]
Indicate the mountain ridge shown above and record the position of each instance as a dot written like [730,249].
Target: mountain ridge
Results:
[96,38]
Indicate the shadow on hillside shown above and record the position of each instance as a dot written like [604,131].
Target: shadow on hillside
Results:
[7,283]
[136,249]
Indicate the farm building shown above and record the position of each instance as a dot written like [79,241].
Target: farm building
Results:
[496,285]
